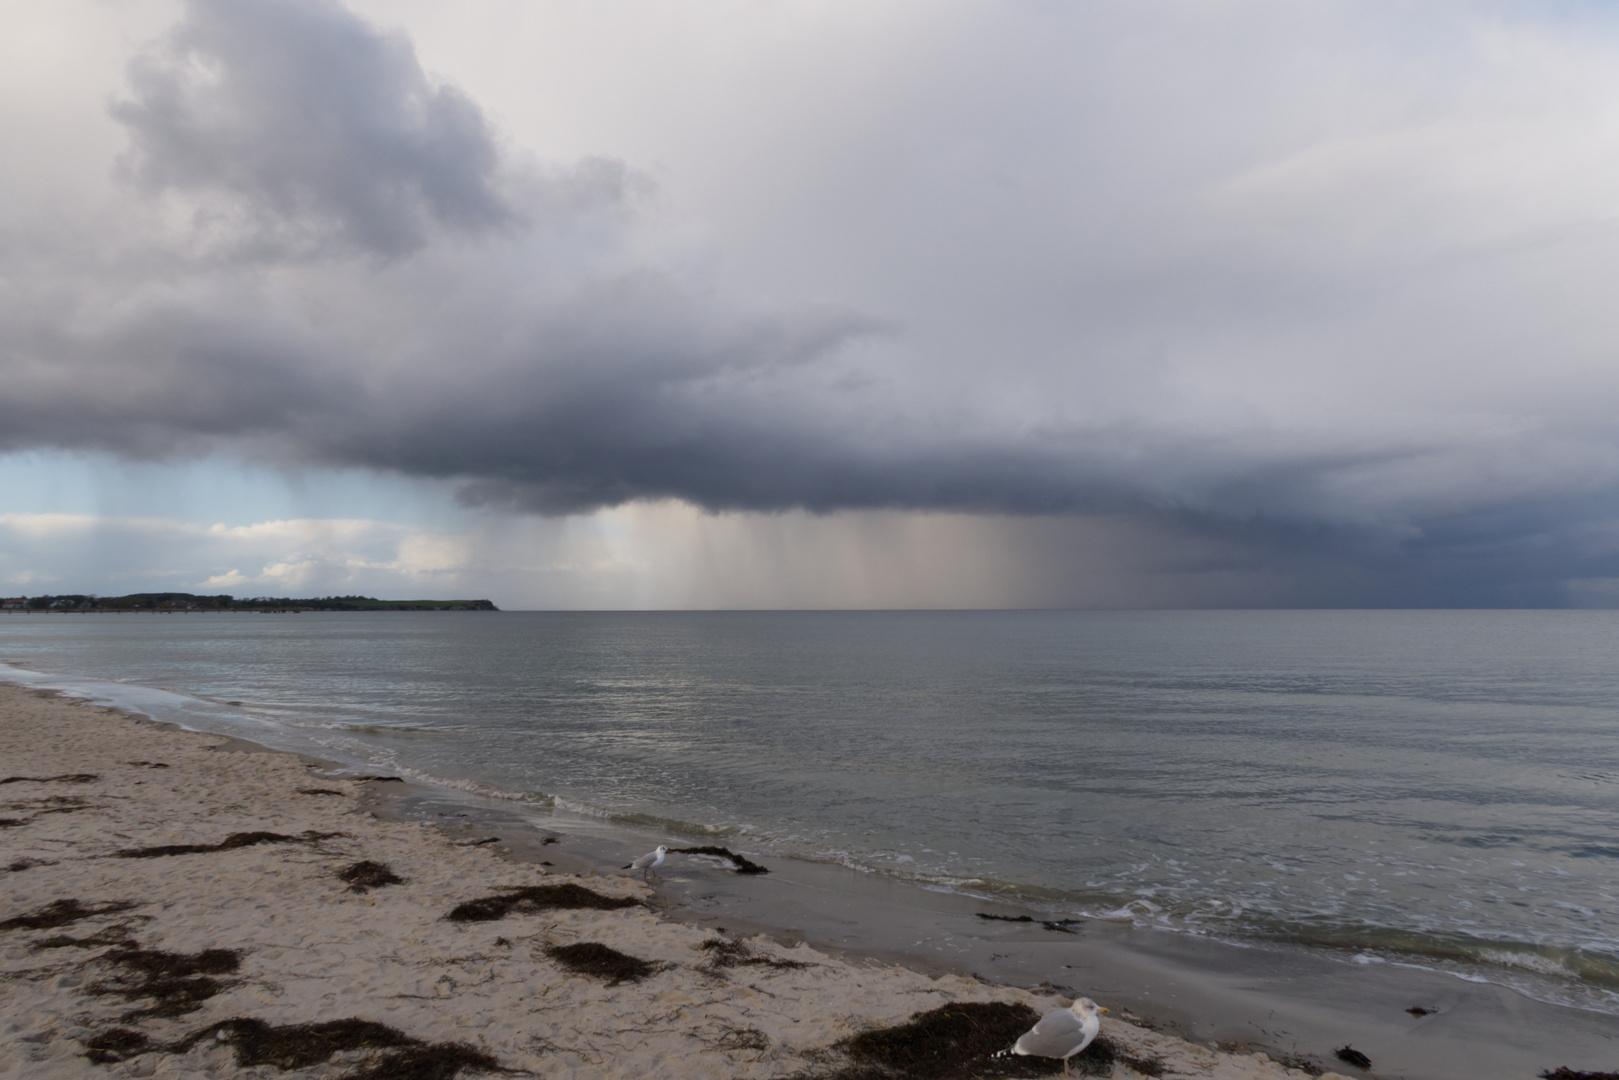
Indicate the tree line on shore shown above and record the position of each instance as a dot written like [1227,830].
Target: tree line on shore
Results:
[180,601]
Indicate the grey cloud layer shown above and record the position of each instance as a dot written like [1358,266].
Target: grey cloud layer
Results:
[303,120]
[1097,273]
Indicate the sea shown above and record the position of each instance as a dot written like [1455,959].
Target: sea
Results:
[1430,788]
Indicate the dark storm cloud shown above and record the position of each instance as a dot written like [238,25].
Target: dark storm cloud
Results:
[312,124]
[1164,295]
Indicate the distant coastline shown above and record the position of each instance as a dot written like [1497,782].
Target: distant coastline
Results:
[171,603]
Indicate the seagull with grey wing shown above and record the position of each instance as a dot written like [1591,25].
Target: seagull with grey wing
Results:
[649,862]
[1061,1034]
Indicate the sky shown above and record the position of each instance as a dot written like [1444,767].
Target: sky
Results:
[765,303]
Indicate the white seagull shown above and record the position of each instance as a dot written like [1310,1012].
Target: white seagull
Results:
[1061,1034]
[649,862]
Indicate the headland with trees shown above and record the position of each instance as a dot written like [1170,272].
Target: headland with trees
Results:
[190,603]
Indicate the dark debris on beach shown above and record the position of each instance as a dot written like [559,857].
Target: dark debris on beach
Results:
[601,961]
[65,778]
[958,1042]
[1351,1056]
[1062,926]
[116,935]
[1566,1073]
[64,912]
[742,863]
[17,866]
[394,1055]
[725,953]
[231,842]
[536,898]
[175,983]
[46,804]
[366,875]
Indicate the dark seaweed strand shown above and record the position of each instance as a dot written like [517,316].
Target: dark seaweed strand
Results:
[535,898]
[396,1056]
[725,953]
[234,840]
[65,778]
[743,864]
[63,912]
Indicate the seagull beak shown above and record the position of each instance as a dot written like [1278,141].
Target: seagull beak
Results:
[1100,1009]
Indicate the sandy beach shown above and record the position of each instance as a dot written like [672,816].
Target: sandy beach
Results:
[182,904]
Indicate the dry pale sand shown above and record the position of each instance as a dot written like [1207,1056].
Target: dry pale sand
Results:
[313,951]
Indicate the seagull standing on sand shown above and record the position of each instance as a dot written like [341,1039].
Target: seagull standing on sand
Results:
[1061,1034]
[649,862]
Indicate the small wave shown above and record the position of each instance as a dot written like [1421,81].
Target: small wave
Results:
[473,787]
[573,806]
[1540,965]
[379,729]
[1135,909]
[677,826]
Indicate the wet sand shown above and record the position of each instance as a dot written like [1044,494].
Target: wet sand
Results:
[183,904]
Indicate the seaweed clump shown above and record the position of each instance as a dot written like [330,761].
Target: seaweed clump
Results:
[743,864]
[955,1040]
[1353,1057]
[112,935]
[427,1061]
[319,791]
[1063,926]
[17,866]
[234,840]
[728,954]
[1566,1073]
[535,898]
[176,983]
[594,958]
[117,1044]
[366,875]
[396,1056]
[296,1046]
[63,912]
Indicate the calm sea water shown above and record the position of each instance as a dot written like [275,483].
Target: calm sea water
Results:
[1439,788]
